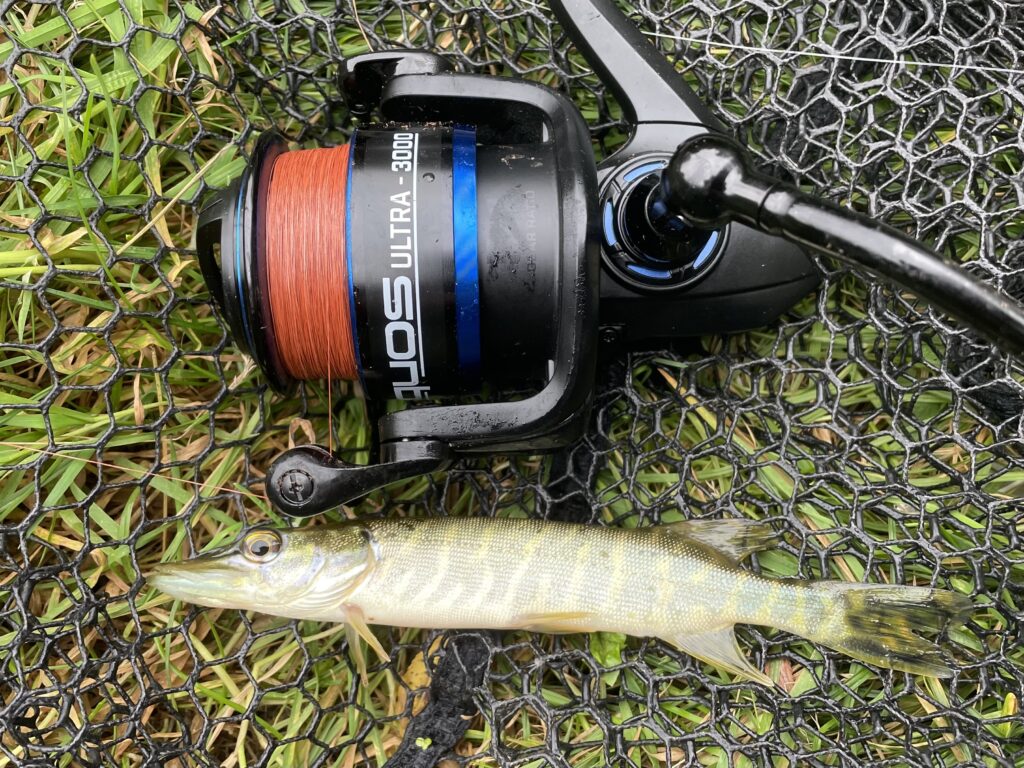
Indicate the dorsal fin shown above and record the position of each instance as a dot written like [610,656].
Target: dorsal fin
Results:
[735,539]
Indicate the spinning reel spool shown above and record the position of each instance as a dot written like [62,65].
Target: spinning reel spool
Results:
[472,239]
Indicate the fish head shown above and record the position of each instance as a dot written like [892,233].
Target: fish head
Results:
[304,573]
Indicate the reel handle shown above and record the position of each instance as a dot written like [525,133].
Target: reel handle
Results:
[709,182]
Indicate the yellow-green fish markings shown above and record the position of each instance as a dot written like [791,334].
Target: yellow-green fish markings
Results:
[680,582]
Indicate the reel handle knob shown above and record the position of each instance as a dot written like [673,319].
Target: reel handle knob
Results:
[709,183]
[309,480]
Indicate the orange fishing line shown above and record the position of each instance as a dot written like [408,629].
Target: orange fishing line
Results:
[306,268]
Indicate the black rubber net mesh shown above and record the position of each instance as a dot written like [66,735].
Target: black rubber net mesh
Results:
[881,440]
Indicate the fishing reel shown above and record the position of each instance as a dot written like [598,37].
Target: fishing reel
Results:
[475,247]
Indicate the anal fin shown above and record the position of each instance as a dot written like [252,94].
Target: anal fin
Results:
[557,623]
[719,648]
[736,539]
[355,628]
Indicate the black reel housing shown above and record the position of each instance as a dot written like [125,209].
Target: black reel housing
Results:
[451,241]
[448,244]
[228,246]
[494,279]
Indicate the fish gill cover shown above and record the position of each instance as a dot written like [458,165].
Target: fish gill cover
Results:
[882,442]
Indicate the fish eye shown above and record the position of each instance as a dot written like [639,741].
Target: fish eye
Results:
[261,546]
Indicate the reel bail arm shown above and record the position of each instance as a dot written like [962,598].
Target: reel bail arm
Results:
[310,480]
[364,77]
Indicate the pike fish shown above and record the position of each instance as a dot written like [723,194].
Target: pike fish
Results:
[681,582]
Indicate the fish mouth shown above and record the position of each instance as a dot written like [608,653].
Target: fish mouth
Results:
[202,581]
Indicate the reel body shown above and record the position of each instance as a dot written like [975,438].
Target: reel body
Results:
[480,238]
[479,271]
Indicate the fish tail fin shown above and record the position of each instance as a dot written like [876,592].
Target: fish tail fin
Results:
[888,626]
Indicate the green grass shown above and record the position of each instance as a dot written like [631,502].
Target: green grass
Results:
[126,412]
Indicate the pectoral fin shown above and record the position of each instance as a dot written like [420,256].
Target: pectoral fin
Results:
[355,628]
[718,647]
[355,647]
[557,623]
[736,539]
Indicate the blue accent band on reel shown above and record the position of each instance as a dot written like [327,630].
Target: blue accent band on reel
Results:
[709,248]
[644,169]
[464,230]
[348,258]
[609,225]
[238,262]
[654,273]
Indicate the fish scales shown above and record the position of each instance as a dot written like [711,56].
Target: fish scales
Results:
[681,582]
[506,573]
